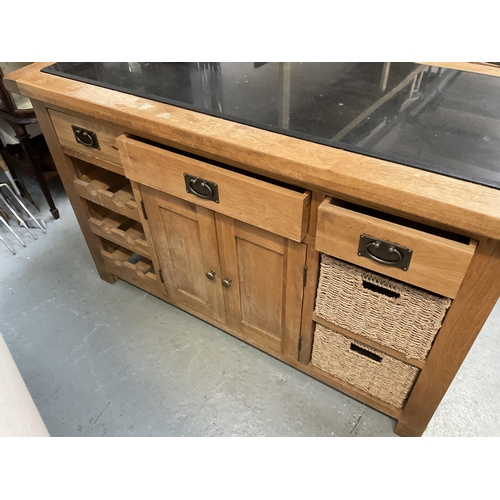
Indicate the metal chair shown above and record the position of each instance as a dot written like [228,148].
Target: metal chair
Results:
[31,154]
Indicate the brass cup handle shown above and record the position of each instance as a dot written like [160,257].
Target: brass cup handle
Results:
[210,275]
[226,283]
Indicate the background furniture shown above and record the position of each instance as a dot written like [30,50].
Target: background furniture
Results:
[31,154]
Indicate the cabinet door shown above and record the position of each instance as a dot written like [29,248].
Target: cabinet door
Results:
[264,297]
[185,239]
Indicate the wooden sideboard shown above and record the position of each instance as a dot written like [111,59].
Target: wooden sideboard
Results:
[229,222]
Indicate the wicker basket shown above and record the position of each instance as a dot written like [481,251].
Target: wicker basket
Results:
[387,311]
[379,374]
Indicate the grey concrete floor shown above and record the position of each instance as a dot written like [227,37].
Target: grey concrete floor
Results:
[112,360]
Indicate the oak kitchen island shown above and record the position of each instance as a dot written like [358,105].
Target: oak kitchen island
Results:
[342,217]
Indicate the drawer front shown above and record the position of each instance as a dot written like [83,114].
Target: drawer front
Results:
[90,131]
[259,203]
[437,264]
[377,373]
[391,313]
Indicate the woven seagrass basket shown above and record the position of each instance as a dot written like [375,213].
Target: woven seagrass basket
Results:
[387,311]
[377,373]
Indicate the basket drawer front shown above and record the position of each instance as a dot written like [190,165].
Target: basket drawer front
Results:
[377,373]
[257,202]
[100,138]
[391,313]
[437,263]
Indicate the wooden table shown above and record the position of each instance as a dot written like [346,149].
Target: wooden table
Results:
[258,248]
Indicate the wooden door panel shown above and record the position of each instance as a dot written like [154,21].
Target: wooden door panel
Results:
[294,292]
[260,282]
[186,242]
[264,300]
[186,258]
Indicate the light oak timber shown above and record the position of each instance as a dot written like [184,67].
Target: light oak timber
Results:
[137,274]
[100,180]
[67,175]
[238,304]
[108,165]
[437,264]
[312,264]
[132,238]
[185,237]
[95,186]
[262,303]
[265,296]
[483,68]
[468,312]
[419,363]
[131,277]
[120,204]
[293,290]
[411,192]
[147,230]
[262,204]
[105,134]
[307,326]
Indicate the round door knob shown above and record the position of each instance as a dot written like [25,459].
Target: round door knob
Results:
[227,282]
[210,275]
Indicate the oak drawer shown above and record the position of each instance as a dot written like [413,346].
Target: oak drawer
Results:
[272,207]
[438,262]
[105,135]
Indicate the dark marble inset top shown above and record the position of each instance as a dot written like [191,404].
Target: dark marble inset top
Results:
[435,119]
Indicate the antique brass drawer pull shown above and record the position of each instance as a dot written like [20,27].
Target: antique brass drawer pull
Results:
[85,137]
[201,188]
[384,252]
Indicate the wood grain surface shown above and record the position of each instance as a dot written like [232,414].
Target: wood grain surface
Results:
[265,297]
[185,239]
[67,174]
[105,134]
[464,320]
[483,68]
[437,264]
[262,204]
